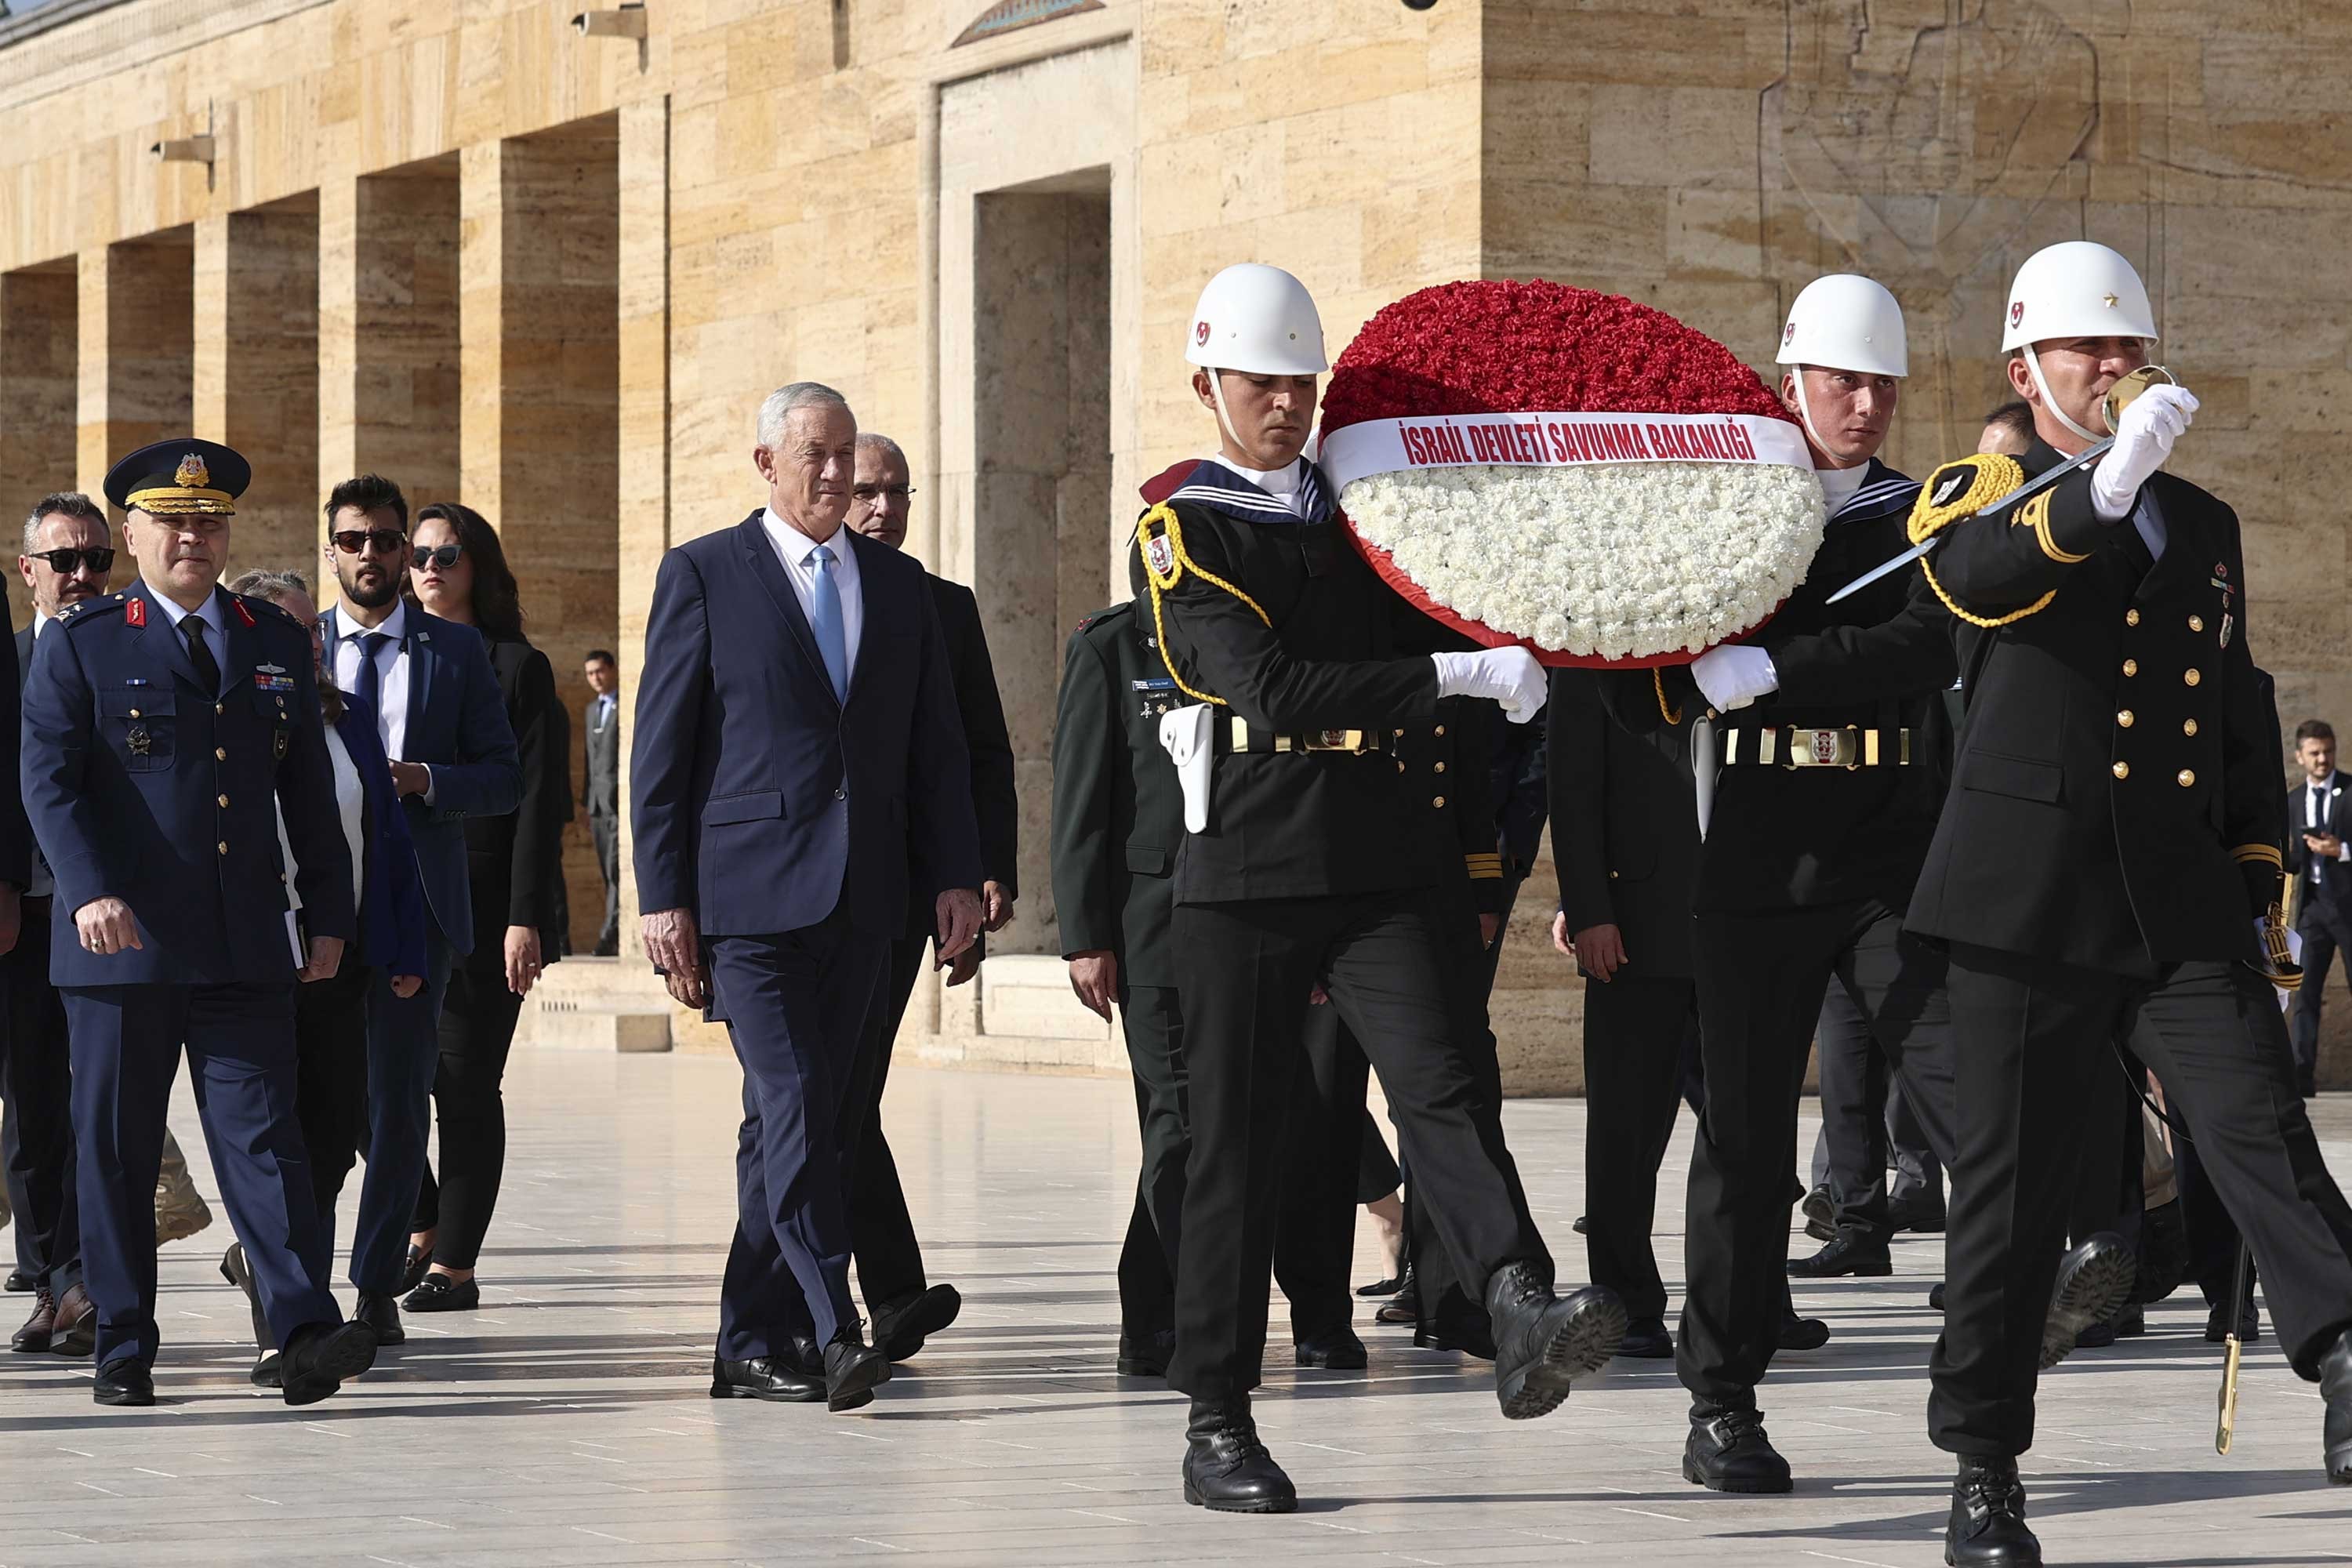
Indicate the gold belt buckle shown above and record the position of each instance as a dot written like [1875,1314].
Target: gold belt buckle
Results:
[1825,748]
[1335,741]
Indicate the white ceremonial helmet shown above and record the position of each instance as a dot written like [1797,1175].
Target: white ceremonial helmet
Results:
[1842,321]
[2077,288]
[1258,320]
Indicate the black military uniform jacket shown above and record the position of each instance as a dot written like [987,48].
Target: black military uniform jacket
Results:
[1784,836]
[1281,620]
[1117,812]
[1624,825]
[2115,800]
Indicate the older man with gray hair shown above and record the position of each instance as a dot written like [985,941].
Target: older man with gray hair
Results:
[796,744]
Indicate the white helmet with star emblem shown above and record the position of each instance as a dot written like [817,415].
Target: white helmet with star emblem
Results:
[1258,320]
[1847,321]
[2079,289]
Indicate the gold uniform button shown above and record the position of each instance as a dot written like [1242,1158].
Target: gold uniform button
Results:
[134,712]
[2191,677]
[223,845]
[2188,726]
[2131,666]
[223,802]
[2196,623]
[2185,777]
[2123,770]
[1400,767]
[1441,767]
[218,709]
[2131,618]
[220,754]
[1439,803]
[2125,719]
[1441,729]
[1399,734]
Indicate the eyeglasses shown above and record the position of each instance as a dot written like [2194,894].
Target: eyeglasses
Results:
[869,493]
[66,562]
[382,540]
[442,555]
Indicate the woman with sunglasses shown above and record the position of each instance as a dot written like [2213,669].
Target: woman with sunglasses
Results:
[459,571]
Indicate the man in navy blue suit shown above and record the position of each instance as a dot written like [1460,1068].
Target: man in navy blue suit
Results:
[796,739]
[444,725]
[166,729]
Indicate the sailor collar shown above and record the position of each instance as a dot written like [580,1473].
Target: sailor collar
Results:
[1881,490]
[1217,487]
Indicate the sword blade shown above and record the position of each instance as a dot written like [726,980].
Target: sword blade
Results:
[2022,493]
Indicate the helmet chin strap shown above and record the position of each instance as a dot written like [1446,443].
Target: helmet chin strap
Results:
[2034,368]
[1805,413]
[1224,414]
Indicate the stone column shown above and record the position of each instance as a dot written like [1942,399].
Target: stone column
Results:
[539,428]
[37,397]
[256,378]
[135,307]
[643,376]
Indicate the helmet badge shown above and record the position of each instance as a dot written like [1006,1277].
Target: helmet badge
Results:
[1201,331]
[2016,311]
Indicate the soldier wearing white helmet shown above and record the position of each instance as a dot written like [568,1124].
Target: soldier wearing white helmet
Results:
[2107,867]
[1308,857]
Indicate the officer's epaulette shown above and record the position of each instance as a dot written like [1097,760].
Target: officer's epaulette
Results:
[87,611]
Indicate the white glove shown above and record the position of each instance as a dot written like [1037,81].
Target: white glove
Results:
[1509,675]
[2149,427]
[1734,676]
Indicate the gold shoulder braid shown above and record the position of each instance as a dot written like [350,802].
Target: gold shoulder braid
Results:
[1164,566]
[1955,492]
[1658,684]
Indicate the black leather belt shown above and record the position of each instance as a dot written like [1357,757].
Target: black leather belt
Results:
[1796,746]
[1236,735]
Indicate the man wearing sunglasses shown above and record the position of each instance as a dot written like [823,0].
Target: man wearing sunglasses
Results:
[444,725]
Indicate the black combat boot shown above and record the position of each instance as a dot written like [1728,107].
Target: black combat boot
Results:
[1226,1468]
[2094,1283]
[1544,1343]
[1988,1528]
[1730,1451]
[2336,1394]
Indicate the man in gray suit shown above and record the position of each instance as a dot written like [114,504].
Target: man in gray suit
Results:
[600,723]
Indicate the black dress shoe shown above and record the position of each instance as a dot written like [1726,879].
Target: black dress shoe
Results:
[1819,1210]
[381,1314]
[269,1370]
[852,1369]
[1582,1225]
[1803,1333]
[2249,1325]
[1646,1340]
[1146,1354]
[1919,1219]
[1226,1468]
[1730,1451]
[1936,1296]
[123,1381]
[1337,1349]
[34,1337]
[320,1357]
[2094,1280]
[1394,1285]
[1848,1254]
[1544,1343]
[1466,1331]
[412,1271]
[444,1293]
[2336,1394]
[900,1327]
[764,1377]
[1988,1527]
[1401,1309]
[19,1282]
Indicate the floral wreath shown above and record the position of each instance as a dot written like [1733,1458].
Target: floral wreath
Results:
[1536,464]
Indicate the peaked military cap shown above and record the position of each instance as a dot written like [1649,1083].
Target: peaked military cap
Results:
[180,477]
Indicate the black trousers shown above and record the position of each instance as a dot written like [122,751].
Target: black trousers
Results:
[606,831]
[2324,933]
[36,1080]
[1762,976]
[1867,1126]
[2213,1236]
[331,1090]
[881,1231]
[1153,1024]
[1639,1032]
[2110,1194]
[1245,969]
[478,1012]
[2033,1036]
[1323,1176]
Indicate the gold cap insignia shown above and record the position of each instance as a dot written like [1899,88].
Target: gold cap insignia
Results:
[2111,301]
[192,474]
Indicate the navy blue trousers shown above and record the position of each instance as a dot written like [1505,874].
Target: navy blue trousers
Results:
[796,1007]
[403,1049]
[36,1078]
[241,1045]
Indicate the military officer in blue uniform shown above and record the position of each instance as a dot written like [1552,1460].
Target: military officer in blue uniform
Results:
[165,727]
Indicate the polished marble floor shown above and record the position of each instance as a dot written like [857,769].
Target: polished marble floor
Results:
[566,1423]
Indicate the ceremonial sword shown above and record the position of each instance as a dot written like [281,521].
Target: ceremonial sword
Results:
[2228,1427]
[2118,398]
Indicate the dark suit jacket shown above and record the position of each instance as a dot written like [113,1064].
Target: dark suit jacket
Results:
[1624,825]
[1117,812]
[392,899]
[601,747]
[458,727]
[994,800]
[2115,795]
[145,786]
[15,829]
[741,747]
[514,863]
[2331,899]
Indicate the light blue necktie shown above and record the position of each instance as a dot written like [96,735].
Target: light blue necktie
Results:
[825,620]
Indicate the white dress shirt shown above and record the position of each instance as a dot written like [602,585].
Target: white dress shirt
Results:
[392,671]
[2316,800]
[794,548]
[208,616]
